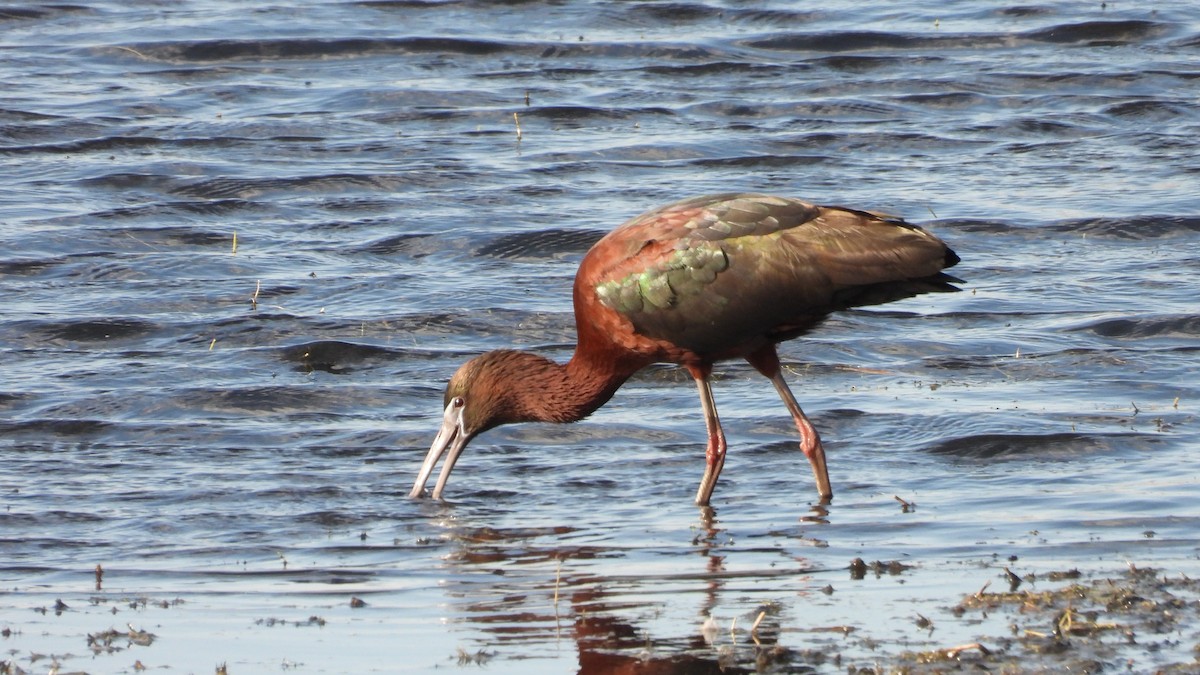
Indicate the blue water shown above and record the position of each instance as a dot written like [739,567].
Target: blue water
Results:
[230,431]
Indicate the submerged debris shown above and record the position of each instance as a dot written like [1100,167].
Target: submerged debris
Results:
[947,654]
[479,658]
[106,641]
[1083,626]
[270,622]
[858,568]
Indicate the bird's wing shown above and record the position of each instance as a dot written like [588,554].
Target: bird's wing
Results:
[711,273]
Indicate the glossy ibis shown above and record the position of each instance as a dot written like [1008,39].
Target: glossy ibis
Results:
[698,281]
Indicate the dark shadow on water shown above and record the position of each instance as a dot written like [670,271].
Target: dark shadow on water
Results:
[1053,446]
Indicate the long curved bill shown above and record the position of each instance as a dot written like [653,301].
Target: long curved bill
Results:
[450,441]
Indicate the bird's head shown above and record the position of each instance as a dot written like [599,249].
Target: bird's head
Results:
[479,397]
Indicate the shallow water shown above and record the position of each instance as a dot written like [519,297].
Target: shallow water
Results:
[230,430]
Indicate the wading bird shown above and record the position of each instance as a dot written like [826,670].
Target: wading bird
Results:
[698,281]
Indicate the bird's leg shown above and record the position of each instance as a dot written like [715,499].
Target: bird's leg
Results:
[715,454]
[810,440]
[766,361]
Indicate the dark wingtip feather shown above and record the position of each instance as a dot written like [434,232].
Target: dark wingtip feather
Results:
[943,283]
[952,258]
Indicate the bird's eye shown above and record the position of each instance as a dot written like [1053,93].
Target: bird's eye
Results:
[458,402]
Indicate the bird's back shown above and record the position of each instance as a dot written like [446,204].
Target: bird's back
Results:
[720,275]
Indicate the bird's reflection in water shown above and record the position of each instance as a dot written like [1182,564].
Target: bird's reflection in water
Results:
[527,588]
[609,643]
[707,545]
[818,513]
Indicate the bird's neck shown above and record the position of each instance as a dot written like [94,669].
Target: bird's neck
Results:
[553,392]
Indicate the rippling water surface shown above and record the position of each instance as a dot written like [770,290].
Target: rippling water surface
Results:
[245,247]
